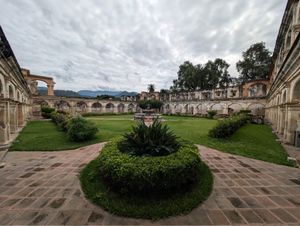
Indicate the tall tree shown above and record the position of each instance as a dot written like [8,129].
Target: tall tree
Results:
[186,76]
[151,88]
[222,72]
[200,77]
[212,75]
[255,64]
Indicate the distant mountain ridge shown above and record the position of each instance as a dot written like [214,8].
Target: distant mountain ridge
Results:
[89,93]
[86,93]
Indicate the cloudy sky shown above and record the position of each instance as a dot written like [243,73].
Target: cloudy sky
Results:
[127,44]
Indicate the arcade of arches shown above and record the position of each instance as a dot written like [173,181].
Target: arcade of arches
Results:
[278,98]
[78,105]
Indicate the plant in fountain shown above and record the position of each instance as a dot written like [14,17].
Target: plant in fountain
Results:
[147,174]
[155,140]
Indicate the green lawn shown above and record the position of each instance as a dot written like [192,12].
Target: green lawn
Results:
[255,141]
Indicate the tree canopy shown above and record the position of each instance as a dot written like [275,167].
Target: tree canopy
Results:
[255,64]
[151,88]
[212,75]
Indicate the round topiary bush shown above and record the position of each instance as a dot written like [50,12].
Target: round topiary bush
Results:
[149,175]
[150,187]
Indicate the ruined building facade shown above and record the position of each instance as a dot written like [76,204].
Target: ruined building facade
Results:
[276,99]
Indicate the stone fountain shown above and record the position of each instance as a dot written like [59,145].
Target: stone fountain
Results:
[148,116]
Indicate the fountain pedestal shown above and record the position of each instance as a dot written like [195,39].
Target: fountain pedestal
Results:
[148,116]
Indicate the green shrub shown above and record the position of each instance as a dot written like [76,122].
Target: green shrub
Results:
[91,114]
[148,175]
[62,112]
[79,129]
[153,104]
[61,120]
[245,111]
[211,113]
[155,140]
[46,112]
[228,127]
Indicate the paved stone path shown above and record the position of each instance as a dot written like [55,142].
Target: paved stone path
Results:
[42,188]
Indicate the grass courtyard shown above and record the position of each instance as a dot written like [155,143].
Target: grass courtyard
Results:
[254,141]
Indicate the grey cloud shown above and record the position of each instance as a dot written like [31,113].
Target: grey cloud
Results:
[124,45]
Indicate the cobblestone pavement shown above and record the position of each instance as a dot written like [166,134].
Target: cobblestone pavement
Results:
[42,188]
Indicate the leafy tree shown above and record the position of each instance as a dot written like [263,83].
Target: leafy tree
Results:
[163,91]
[186,77]
[200,77]
[222,73]
[153,104]
[212,75]
[151,88]
[107,97]
[255,64]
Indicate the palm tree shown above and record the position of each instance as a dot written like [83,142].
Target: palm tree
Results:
[151,88]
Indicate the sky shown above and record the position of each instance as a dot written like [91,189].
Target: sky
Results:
[128,44]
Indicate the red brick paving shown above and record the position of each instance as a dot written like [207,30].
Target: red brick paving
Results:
[42,188]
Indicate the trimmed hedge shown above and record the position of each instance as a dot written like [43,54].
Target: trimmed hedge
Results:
[46,112]
[211,113]
[228,127]
[136,175]
[79,129]
[61,120]
[91,114]
[153,104]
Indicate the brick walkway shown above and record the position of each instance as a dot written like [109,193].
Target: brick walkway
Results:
[40,188]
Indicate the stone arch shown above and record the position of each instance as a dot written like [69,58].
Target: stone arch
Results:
[131,107]
[48,80]
[257,108]
[121,108]
[257,89]
[278,99]
[201,109]
[217,107]
[110,107]
[177,108]
[295,94]
[191,109]
[43,103]
[167,109]
[62,105]
[186,108]
[2,87]
[11,92]
[18,96]
[96,107]
[283,98]
[81,106]
[234,107]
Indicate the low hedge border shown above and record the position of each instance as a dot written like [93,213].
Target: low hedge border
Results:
[144,206]
[78,129]
[228,127]
[138,175]
[93,114]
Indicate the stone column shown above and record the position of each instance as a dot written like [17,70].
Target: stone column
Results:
[282,121]
[292,117]
[13,121]
[50,90]
[89,107]
[278,119]
[20,115]
[4,124]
